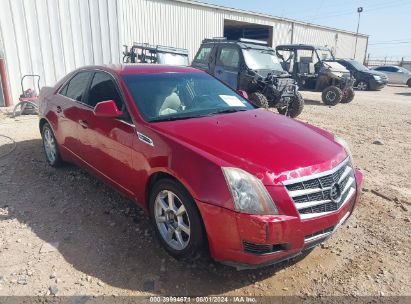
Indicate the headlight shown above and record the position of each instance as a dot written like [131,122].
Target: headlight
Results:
[376,77]
[343,143]
[289,89]
[248,192]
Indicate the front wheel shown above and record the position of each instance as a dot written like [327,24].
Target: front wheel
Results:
[362,86]
[332,95]
[348,95]
[409,83]
[259,100]
[295,107]
[176,220]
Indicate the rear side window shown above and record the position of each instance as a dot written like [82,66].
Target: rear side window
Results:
[203,53]
[77,86]
[229,57]
[103,88]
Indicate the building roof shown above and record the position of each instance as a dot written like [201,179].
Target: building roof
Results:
[220,7]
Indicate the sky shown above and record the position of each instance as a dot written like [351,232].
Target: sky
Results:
[387,22]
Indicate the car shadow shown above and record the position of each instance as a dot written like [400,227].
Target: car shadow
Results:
[314,102]
[403,93]
[102,234]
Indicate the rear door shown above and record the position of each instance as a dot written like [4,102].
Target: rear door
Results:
[108,142]
[68,107]
[228,65]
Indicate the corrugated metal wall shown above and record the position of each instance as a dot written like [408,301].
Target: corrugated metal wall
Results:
[53,37]
[184,24]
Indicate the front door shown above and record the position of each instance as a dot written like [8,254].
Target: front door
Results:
[228,65]
[107,142]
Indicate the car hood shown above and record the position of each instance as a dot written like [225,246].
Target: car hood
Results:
[372,72]
[270,146]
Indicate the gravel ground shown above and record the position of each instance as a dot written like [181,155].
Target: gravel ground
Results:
[63,232]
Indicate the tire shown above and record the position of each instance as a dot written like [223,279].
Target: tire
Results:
[192,243]
[50,146]
[295,108]
[259,100]
[348,95]
[409,83]
[331,95]
[363,86]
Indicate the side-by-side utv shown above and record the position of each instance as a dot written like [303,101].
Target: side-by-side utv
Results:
[315,68]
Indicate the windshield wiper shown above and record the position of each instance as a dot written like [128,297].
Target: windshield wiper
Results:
[170,118]
[224,111]
[221,111]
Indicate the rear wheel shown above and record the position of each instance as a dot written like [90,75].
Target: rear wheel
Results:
[362,86]
[176,220]
[348,95]
[50,146]
[331,95]
[258,99]
[295,107]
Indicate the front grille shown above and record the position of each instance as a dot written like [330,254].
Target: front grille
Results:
[262,248]
[312,194]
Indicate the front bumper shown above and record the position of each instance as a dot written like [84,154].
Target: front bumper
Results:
[377,85]
[251,241]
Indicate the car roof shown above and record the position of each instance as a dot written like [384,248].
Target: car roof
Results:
[302,47]
[140,68]
[241,44]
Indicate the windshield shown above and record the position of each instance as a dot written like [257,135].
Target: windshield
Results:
[358,66]
[172,96]
[261,60]
[404,70]
[172,59]
[324,54]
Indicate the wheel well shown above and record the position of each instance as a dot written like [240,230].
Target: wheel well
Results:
[156,177]
[162,175]
[41,124]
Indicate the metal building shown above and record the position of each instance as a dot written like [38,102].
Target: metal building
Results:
[53,37]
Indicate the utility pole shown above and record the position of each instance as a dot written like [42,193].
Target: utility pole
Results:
[359,11]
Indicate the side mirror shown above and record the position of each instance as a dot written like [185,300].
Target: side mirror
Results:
[107,109]
[243,93]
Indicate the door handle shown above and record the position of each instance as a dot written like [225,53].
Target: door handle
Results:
[59,109]
[83,123]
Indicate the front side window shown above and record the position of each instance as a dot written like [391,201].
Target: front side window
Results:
[172,96]
[76,87]
[229,57]
[203,53]
[103,88]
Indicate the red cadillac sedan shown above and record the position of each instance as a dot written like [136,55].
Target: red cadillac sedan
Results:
[212,171]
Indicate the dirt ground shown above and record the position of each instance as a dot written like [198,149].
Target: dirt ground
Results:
[63,232]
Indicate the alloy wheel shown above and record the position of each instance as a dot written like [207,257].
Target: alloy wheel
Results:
[49,145]
[172,220]
[362,86]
